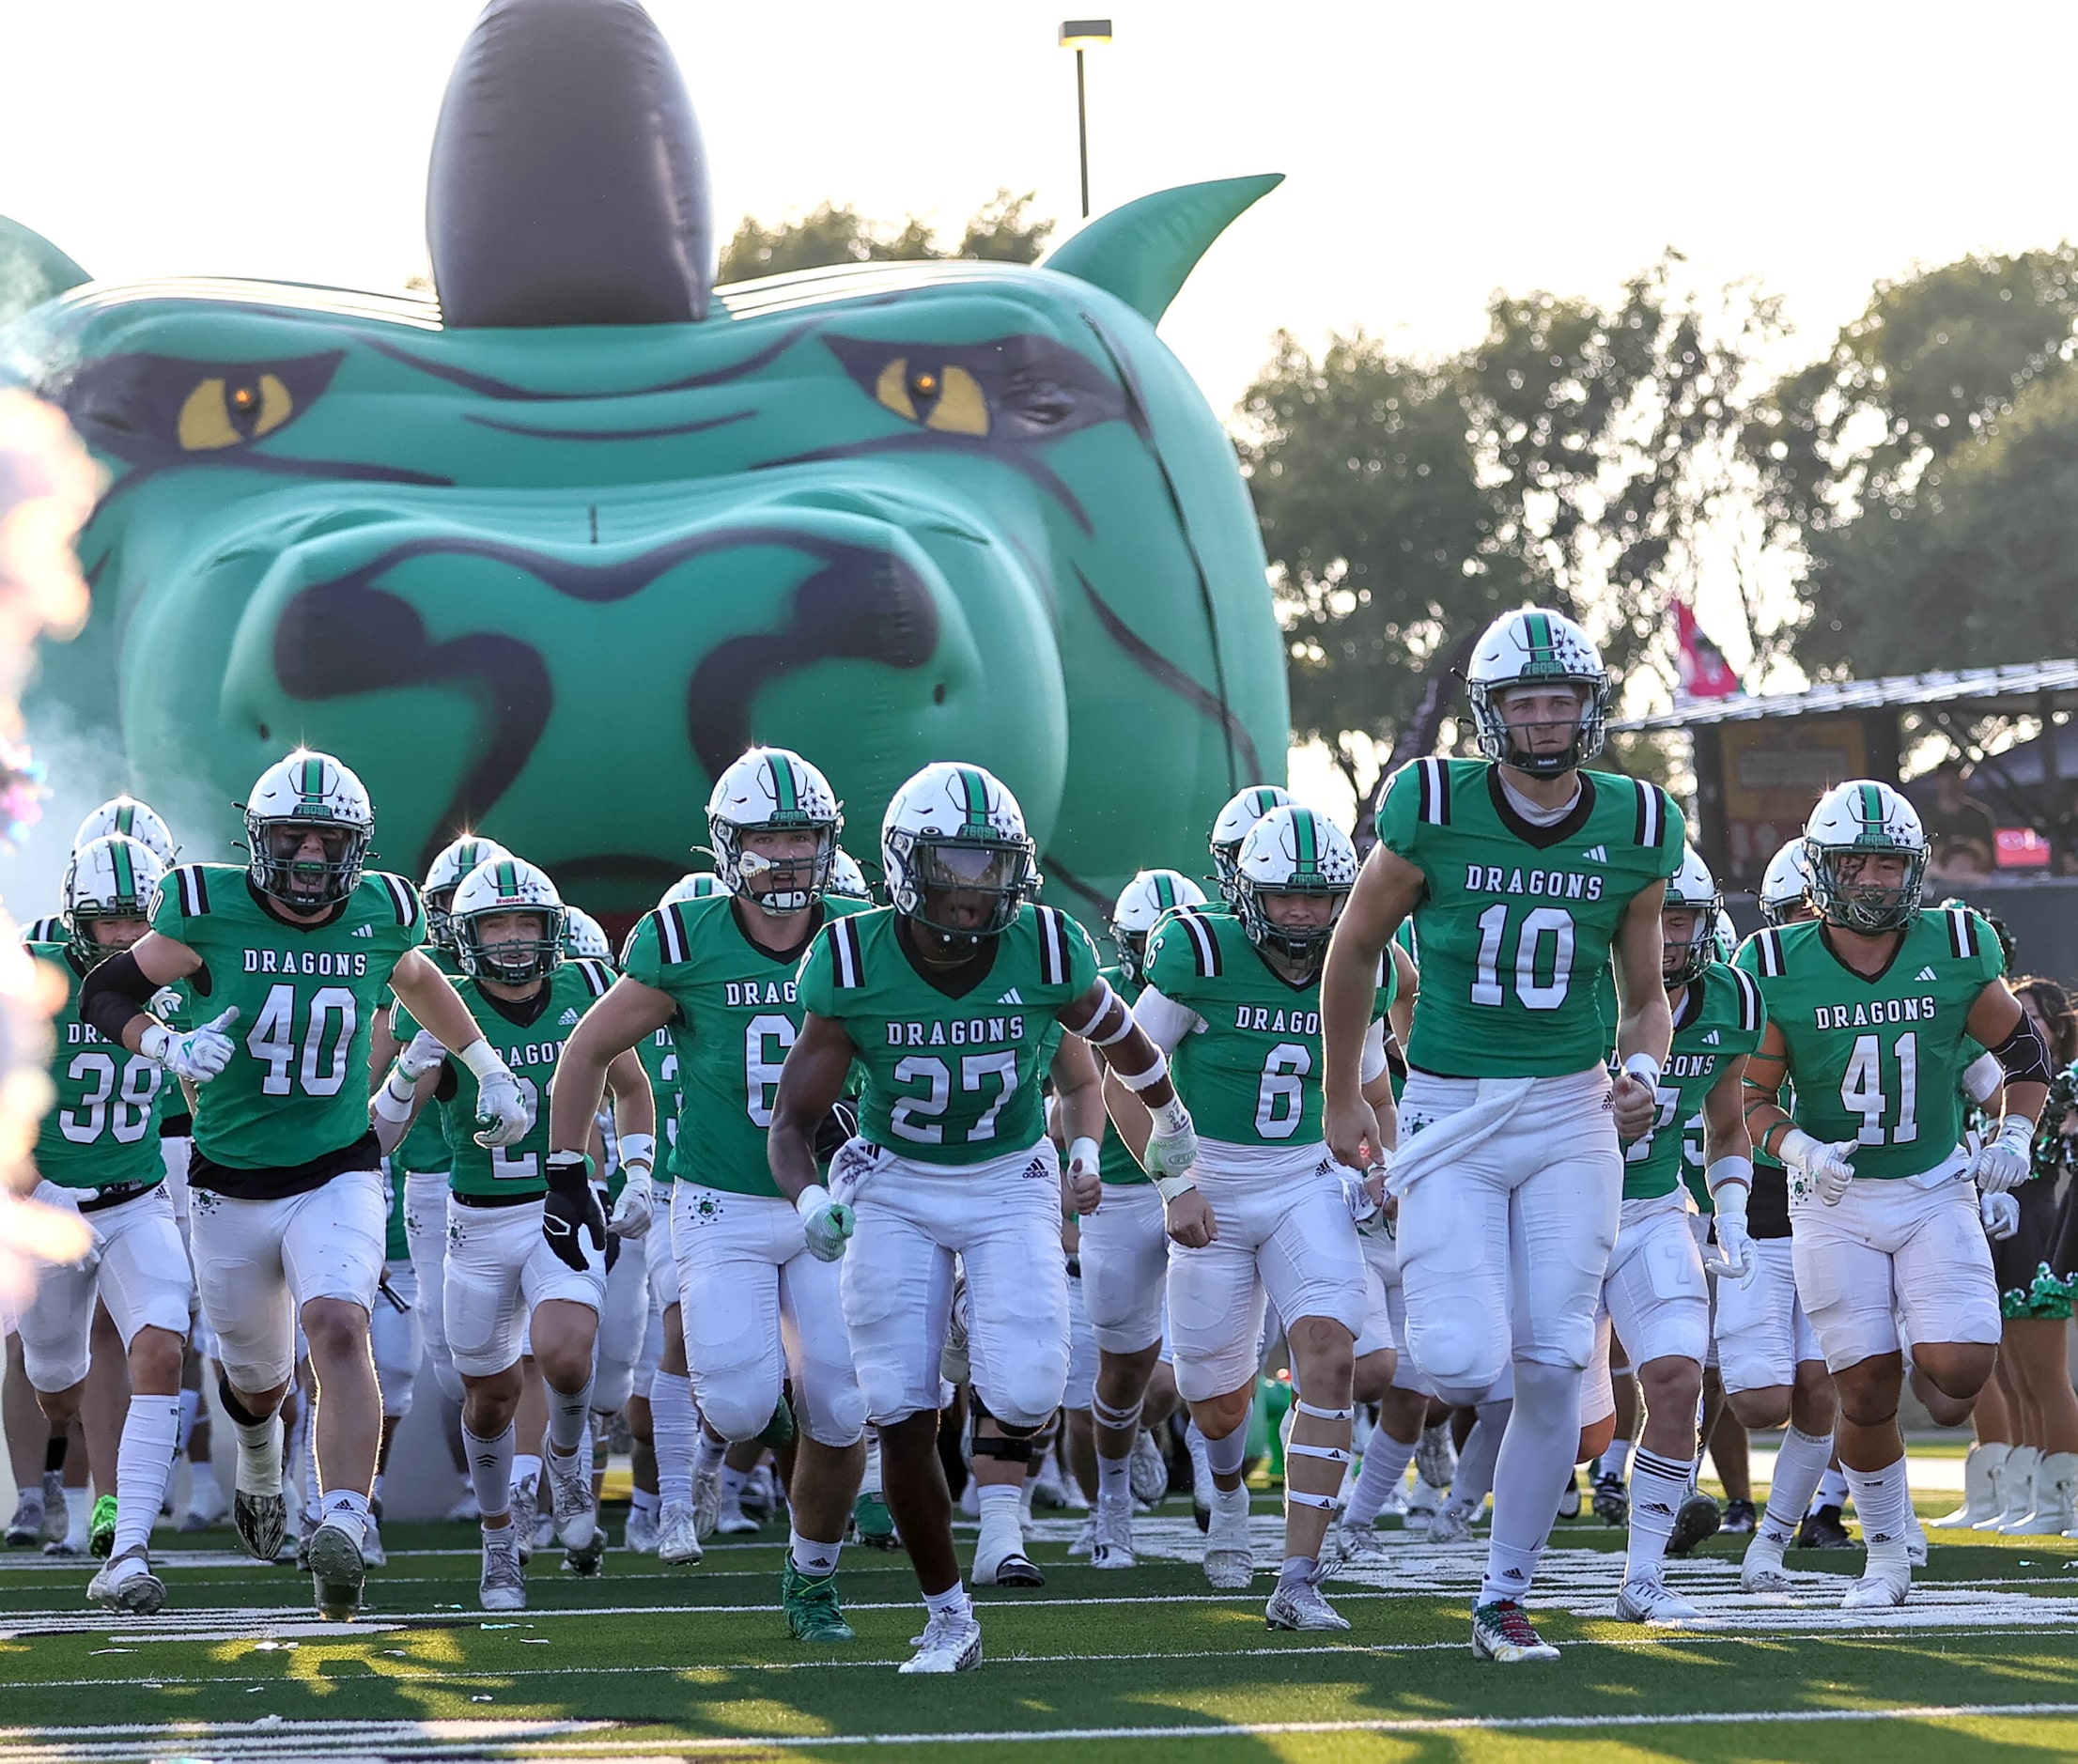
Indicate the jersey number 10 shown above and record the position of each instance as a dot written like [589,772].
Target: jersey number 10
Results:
[1537,925]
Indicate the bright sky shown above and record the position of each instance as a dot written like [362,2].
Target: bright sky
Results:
[1433,153]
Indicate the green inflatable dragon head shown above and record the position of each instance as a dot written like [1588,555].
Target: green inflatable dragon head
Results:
[545,556]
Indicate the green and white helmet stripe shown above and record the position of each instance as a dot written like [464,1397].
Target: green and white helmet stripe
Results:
[132,819]
[1292,850]
[505,883]
[110,877]
[772,790]
[1536,647]
[1865,818]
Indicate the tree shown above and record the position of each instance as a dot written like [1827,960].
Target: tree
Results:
[1572,457]
[1922,469]
[1000,231]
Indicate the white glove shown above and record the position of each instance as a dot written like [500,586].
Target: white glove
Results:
[632,1211]
[1080,1175]
[825,1222]
[1825,1168]
[425,1052]
[197,1055]
[1171,1147]
[2008,1160]
[1728,1196]
[2001,1215]
[502,1108]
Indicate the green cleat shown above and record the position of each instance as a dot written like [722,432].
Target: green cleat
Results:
[101,1530]
[873,1523]
[780,1430]
[811,1606]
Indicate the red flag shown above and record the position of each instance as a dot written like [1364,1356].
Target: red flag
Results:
[1704,671]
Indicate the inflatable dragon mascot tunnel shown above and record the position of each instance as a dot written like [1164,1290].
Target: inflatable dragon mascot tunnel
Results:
[545,556]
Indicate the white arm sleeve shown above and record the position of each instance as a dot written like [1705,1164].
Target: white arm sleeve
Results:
[1165,1021]
[1375,1052]
[1982,1079]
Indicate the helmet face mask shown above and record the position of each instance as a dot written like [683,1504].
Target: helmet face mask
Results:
[1690,918]
[308,825]
[584,939]
[1784,896]
[1141,904]
[109,885]
[1241,812]
[774,821]
[443,876]
[1524,662]
[958,861]
[967,888]
[1293,854]
[508,923]
[1867,854]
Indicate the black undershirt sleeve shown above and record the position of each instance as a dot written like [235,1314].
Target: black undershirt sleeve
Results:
[113,993]
[2024,1055]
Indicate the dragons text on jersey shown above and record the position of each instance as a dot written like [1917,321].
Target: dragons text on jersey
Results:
[102,1131]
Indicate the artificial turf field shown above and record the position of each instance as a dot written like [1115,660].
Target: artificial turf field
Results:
[1149,1665]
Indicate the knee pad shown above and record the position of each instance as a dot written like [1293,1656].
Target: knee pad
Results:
[1458,1347]
[1016,1444]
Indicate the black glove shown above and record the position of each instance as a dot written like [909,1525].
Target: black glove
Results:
[835,1128]
[573,1208]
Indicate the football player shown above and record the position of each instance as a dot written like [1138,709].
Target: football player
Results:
[527,1261]
[715,971]
[943,998]
[1234,998]
[1870,1010]
[1524,874]
[1656,1293]
[292,952]
[99,1154]
[1229,827]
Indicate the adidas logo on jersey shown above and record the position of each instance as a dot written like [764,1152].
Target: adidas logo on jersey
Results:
[363,931]
[569,1018]
[1596,854]
[1926,973]
[1009,998]
[1712,1040]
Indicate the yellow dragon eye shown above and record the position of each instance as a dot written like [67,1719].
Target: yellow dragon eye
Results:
[951,401]
[218,413]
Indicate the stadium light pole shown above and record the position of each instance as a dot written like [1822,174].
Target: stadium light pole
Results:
[1079,35]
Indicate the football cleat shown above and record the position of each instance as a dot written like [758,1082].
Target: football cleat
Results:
[873,1521]
[1612,1500]
[338,1571]
[1003,1562]
[1150,1471]
[1112,1545]
[1823,1530]
[1230,1558]
[1355,1546]
[570,1495]
[26,1529]
[678,1537]
[1762,1569]
[1298,1605]
[734,1522]
[1451,1523]
[1648,1598]
[1569,1499]
[951,1642]
[1423,1501]
[372,1552]
[1698,1518]
[1435,1457]
[465,1510]
[138,1593]
[261,1522]
[207,1505]
[707,1504]
[1740,1519]
[1883,1585]
[101,1528]
[641,1531]
[524,1512]
[504,1584]
[813,1613]
[1502,1632]
[1085,1540]
[57,1520]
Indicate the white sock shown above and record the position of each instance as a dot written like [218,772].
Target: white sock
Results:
[375,1495]
[733,1484]
[492,1468]
[816,1561]
[1884,1500]
[306,1455]
[1616,1458]
[143,1461]
[707,1462]
[79,1516]
[259,1457]
[1799,1463]
[870,1482]
[1478,1457]
[1530,1471]
[673,1436]
[1114,1484]
[642,1501]
[951,1601]
[1000,1504]
[190,1406]
[1386,1460]
[526,1472]
[1229,1452]
[1658,1487]
[346,1508]
[1832,1490]
[567,1413]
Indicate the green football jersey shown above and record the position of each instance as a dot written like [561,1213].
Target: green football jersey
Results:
[737,1015]
[1116,1162]
[1252,1076]
[296,1092]
[528,1038]
[1878,1060]
[396,1243]
[658,1054]
[950,1080]
[103,1128]
[1719,1022]
[424,1151]
[1517,921]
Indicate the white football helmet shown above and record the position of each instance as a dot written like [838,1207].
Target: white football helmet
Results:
[1692,887]
[771,790]
[1293,850]
[1536,647]
[1863,818]
[443,875]
[1229,827]
[847,880]
[1140,904]
[304,793]
[585,937]
[955,831]
[695,885]
[1786,885]
[110,877]
[509,885]
[133,820]
[1725,940]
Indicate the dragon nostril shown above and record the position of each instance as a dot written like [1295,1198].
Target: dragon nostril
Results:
[264,734]
[938,694]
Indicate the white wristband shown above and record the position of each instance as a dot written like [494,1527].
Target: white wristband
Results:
[813,1202]
[156,1043]
[1171,1119]
[1084,1151]
[1142,1080]
[481,1059]
[1730,1181]
[1796,1149]
[2018,1132]
[1171,1186]
[638,1148]
[389,1106]
[1645,1069]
